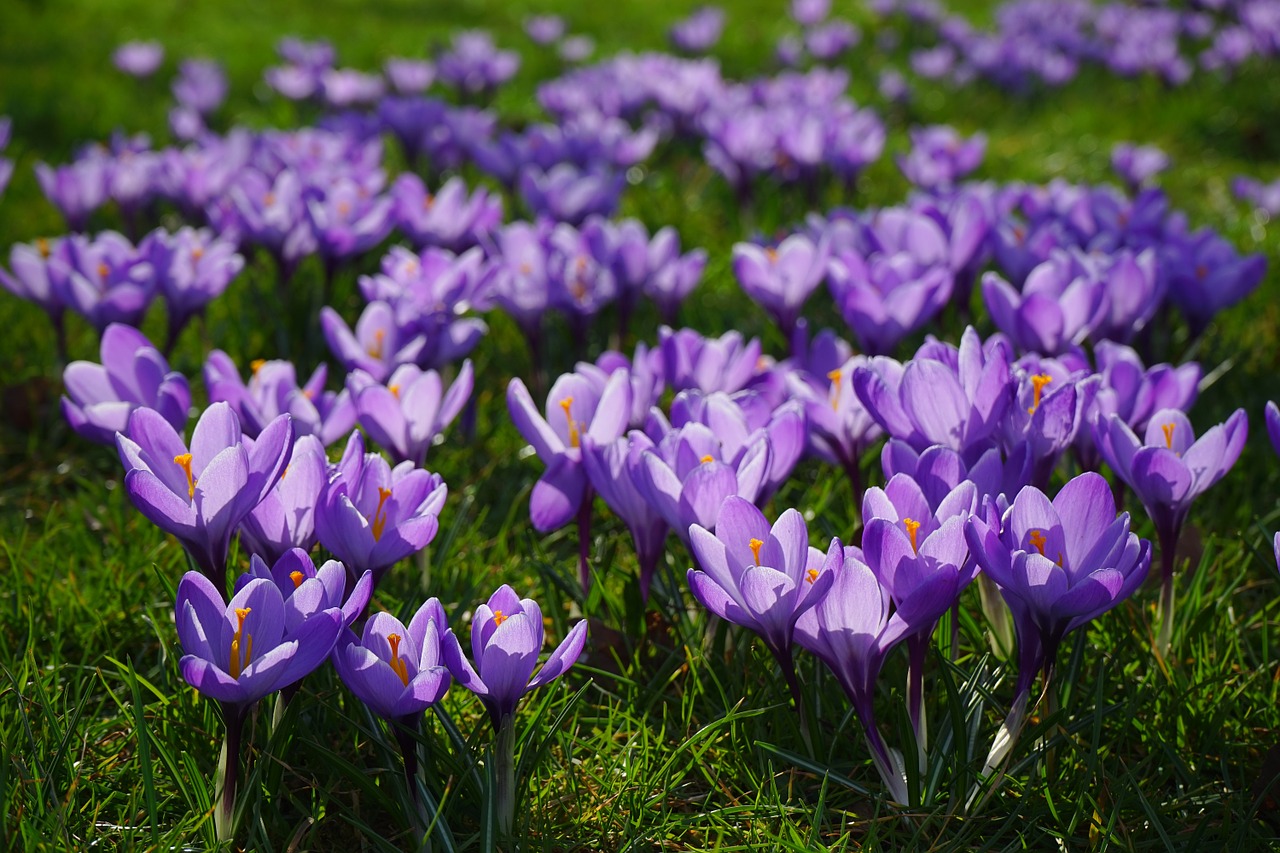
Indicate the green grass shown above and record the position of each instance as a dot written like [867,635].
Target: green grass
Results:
[673,733]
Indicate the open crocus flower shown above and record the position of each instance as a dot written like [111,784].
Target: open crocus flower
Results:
[201,494]
[406,414]
[379,344]
[1168,469]
[285,518]
[576,407]
[450,218]
[396,670]
[138,58]
[1049,413]
[30,277]
[307,590]
[238,652]
[371,515]
[724,364]
[194,268]
[1059,305]
[133,374]
[840,427]
[273,390]
[779,279]
[760,577]
[506,637]
[1059,565]
[104,279]
[1136,392]
[940,156]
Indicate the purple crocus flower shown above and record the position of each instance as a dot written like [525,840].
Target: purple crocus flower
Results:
[612,470]
[544,29]
[104,279]
[346,87]
[201,85]
[194,268]
[760,577]
[577,48]
[449,218]
[566,193]
[829,41]
[273,390]
[396,670]
[807,13]
[853,629]
[407,414]
[1059,565]
[671,275]
[239,651]
[1264,197]
[724,364]
[138,58]
[133,374]
[780,279]
[474,65]
[1136,164]
[285,518]
[506,636]
[371,515]
[576,407]
[201,494]
[1136,392]
[347,220]
[379,344]
[1206,275]
[409,76]
[1050,413]
[293,573]
[954,397]
[30,277]
[940,156]
[1056,309]
[1168,469]
[76,189]
[699,32]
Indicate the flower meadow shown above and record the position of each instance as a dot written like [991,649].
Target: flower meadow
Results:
[780,426]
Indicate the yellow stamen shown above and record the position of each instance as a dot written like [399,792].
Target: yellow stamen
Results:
[379,340]
[297,578]
[1036,539]
[380,514]
[42,246]
[397,663]
[835,376]
[755,545]
[395,391]
[498,618]
[239,662]
[812,576]
[184,462]
[708,458]
[574,436]
[912,528]
[1038,382]
[103,270]
[256,365]
[1168,435]
[285,472]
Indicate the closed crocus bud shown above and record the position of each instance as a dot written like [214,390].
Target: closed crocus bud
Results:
[133,374]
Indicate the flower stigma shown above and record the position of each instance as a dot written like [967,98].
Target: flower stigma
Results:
[755,545]
[380,514]
[184,462]
[1038,381]
[397,663]
[574,435]
[239,662]
[912,527]
[1037,539]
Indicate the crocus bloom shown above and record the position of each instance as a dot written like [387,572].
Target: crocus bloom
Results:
[780,279]
[612,469]
[1206,275]
[1050,412]
[201,494]
[285,518]
[807,13]
[1136,164]
[306,589]
[138,58]
[544,29]
[1168,469]
[566,193]
[379,344]
[371,515]
[576,407]
[76,189]
[273,390]
[506,636]
[724,364]
[104,279]
[1055,309]
[1264,197]
[194,268]
[406,414]
[409,76]
[133,374]
[940,156]
[699,32]
[30,277]
[1059,565]
[449,218]
[396,670]
[760,577]
[1136,392]
[201,84]
[474,65]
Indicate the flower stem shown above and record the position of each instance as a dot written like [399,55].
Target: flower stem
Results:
[405,730]
[1168,557]
[584,540]
[228,773]
[917,648]
[787,664]
[504,757]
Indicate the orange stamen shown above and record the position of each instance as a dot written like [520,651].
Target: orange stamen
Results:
[812,576]
[1038,382]
[427,201]
[184,462]
[238,662]
[835,376]
[1037,539]
[574,435]
[297,578]
[912,528]
[197,253]
[256,365]
[498,618]
[380,514]
[755,545]
[103,270]
[1168,435]
[397,663]
[379,340]
[708,458]
[42,246]
[395,391]
[771,254]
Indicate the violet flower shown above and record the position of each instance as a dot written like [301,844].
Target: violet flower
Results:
[940,156]
[409,76]
[407,414]
[780,279]
[808,13]
[762,578]
[1206,275]
[1059,565]
[544,29]
[1135,392]
[30,279]
[285,517]
[201,494]
[379,344]
[474,65]
[397,670]
[566,193]
[273,390]
[1137,164]
[76,189]
[672,276]
[194,268]
[293,573]
[506,636]
[1168,469]
[699,32]
[133,374]
[1272,416]
[239,651]
[726,363]
[104,279]
[449,218]
[371,515]
[1056,309]
[138,58]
